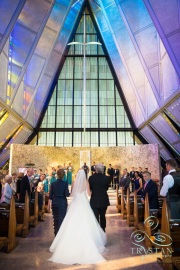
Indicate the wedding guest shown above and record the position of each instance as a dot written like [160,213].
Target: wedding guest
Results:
[19,179]
[138,183]
[14,183]
[46,184]
[7,191]
[93,169]
[124,181]
[53,178]
[69,173]
[116,175]
[151,189]
[40,189]
[132,177]
[110,173]
[104,172]
[171,188]
[26,185]
[58,193]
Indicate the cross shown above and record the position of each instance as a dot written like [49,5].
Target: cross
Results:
[84,66]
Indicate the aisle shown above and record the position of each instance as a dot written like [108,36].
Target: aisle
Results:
[32,252]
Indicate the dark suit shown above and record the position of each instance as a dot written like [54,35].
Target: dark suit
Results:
[93,169]
[116,177]
[58,193]
[124,182]
[99,184]
[25,186]
[110,173]
[152,190]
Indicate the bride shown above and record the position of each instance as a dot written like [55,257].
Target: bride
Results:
[80,239]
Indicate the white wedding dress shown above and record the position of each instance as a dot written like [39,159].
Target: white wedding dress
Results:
[80,239]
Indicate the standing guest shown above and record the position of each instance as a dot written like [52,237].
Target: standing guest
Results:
[65,170]
[19,179]
[124,181]
[46,184]
[110,173]
[151,189]
[36,175]
[53,178]
[40,189]
[132,177]
[58,193]
[138,183]
[171,188]
[141,172]
[86,169]
[104,172]
[116,175]
[14,183]
[69,173]
[99,184]
[26,185]
[93,168]
[7,191]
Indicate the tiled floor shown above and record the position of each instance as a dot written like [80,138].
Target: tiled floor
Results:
[32,252]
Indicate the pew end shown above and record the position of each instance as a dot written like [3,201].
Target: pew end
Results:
[171,249]
[8,228]
[22,217]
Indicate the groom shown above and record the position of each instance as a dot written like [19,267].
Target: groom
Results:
[99,184]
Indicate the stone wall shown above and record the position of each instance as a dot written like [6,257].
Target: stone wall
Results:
[45,157]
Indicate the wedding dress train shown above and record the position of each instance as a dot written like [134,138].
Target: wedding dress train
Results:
[80,239]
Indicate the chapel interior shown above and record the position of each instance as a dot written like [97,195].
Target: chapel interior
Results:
[89,75]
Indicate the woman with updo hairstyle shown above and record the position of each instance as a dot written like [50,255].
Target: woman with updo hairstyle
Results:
[138,183]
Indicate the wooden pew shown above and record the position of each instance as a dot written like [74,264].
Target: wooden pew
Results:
[22,217]
[33,211]
[123,203]
[42,211]
[118,200]
[171,246]
[138,211]
[152,221]
[8,228]
[47,210]
[130,208]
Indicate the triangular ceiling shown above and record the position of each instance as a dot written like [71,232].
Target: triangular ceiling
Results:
[138,38]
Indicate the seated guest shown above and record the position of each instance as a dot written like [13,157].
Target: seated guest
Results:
[124,181]
[171,188]
[151,189]
[138,183]
[7,191]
